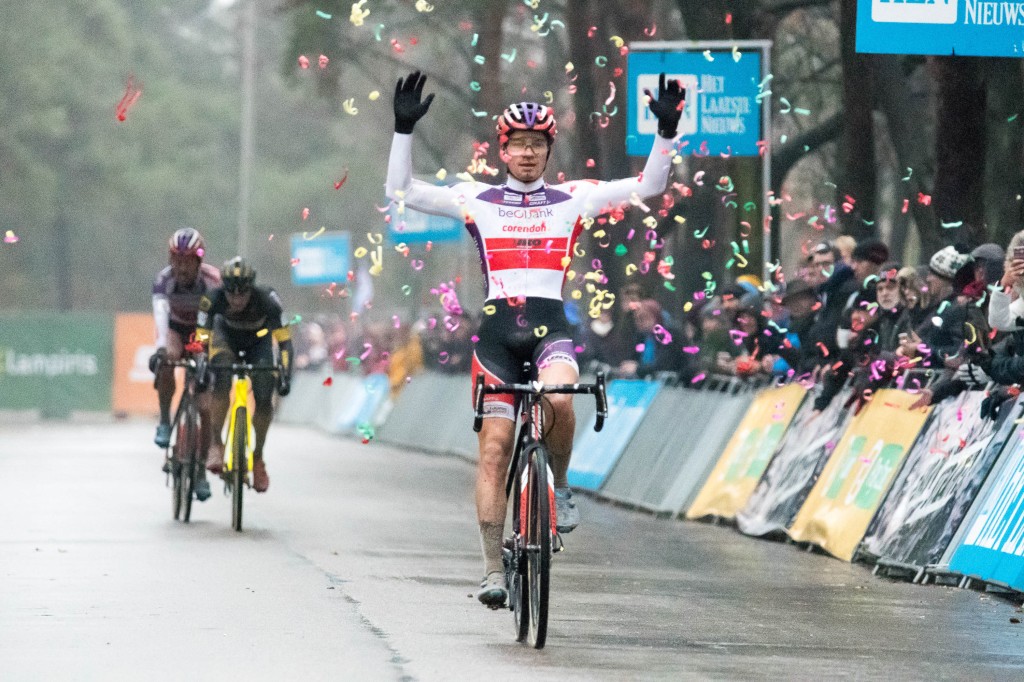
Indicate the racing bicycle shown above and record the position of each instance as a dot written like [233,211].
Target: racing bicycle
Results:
[528,551]
[183,457]
[238,446]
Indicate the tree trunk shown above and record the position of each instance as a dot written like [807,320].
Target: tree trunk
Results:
[857,146]
[578,14]
[490,20]
[1005,171]
[960,149]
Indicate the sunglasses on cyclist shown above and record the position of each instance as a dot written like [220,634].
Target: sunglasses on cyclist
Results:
[518,146]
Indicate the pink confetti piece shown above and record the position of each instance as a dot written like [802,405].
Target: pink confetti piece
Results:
[303,61]
[131,96]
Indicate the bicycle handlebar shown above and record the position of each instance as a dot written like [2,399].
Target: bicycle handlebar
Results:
[596,389]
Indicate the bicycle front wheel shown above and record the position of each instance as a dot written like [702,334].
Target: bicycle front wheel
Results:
[538,534]
[190,467]
[238,466]
[177,454]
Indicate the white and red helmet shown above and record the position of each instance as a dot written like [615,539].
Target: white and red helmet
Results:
[187,242]
[526,116]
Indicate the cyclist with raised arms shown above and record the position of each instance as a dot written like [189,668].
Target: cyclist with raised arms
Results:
[176,293]
[243,317]
[525,230]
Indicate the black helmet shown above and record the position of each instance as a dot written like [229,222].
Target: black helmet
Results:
[237,275]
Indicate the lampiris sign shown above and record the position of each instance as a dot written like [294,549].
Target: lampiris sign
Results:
[56,362]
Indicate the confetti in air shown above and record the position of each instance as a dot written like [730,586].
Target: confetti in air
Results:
[131,96]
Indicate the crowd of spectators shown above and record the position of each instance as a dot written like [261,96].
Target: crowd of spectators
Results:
[849,315]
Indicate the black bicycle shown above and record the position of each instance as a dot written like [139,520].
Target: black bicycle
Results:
[527,552]
[184,463]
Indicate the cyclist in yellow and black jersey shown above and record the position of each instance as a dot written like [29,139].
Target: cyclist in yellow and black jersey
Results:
[242,317]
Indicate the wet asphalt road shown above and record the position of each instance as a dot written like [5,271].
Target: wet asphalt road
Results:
[358,562]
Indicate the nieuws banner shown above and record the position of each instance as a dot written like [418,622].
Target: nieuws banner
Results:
[747,455]
[851,486]
[937,484]
[798,461]
[993,547]
[596,453]
[56,363]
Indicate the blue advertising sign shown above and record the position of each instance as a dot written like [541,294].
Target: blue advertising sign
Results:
[414,227]
[723,108]
[595,454]
[320,258]
[993,546]
[978,28]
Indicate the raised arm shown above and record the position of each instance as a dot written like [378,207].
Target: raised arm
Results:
[668,108]
[410,108]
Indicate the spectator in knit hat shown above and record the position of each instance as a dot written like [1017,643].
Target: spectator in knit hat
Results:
[941,336]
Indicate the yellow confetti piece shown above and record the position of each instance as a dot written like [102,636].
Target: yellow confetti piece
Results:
[577,251]
[349,106]
[688,306]
[736,54]
[577,295]
[375,95]
[630,269]
[441,174]
[569,67]
[358,13]
[540,332]
[549,96]
[599,234]
[316,234]
[651,222]
[424,6]
[707,56]
[680,219]
[490,309]
[375,237]
[464,176]
[565,261]
[262,332]
[360,252]
[617,41]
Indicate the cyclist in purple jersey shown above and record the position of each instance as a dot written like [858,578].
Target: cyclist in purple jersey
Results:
[525,230]
[176,294]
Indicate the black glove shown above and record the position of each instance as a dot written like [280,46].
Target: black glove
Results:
[284,383]
[157,359]
[669,105]
[408,107]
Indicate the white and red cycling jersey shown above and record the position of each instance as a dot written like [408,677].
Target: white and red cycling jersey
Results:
[524,233]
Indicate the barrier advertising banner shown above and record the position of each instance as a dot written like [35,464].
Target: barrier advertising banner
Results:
[798,460]
[936,485]
[747,455]
[993,547]
[134,394]
[595,454]
[56,363]
[844,499]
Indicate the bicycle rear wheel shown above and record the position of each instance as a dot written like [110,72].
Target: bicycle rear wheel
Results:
[189,468]
[538,544]
[238,466]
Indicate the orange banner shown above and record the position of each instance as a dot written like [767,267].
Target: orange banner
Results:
[134,394]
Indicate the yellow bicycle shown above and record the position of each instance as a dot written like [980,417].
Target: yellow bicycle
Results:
[238,446]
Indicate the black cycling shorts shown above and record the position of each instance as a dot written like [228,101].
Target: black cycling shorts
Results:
[535,332]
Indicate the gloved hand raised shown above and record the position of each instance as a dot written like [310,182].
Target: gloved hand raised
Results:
[408,107]
[669,105]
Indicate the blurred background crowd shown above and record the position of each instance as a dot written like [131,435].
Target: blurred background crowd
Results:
[849,313]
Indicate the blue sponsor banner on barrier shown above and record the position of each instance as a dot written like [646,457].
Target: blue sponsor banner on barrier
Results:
[320,259]
[978,28]
[416,227]
[993,546]
[722,113]
[596,453]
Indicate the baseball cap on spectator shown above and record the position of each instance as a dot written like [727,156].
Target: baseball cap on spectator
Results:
[947,262]
[797,288]
[871,250]
[989,252]
[821,248]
